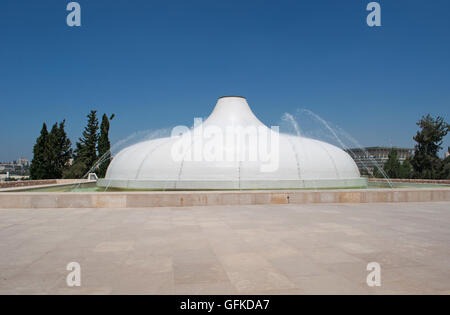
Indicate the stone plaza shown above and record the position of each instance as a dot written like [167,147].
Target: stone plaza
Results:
[241,249]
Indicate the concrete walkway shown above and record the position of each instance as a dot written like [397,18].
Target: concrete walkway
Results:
[266,249]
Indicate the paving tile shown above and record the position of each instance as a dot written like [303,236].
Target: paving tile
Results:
[114,246]
[198,272]
[259,279]
[331,255]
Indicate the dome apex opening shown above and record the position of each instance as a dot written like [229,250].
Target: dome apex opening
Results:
[232,96]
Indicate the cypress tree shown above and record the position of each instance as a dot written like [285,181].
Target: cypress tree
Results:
[60,150]
[85,154]
[52,152]
[40,162]
[103,146]
[65,148]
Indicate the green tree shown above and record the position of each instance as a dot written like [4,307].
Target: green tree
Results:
[104,146]
[40,163]
[85,154]
[445,170]
[405,169]
[392,165]
[52,152]
[425,162]
[60,150]
[76,170]
[376,172]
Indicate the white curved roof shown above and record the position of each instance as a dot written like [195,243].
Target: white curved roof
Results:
[207,157]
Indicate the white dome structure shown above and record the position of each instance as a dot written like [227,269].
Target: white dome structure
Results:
[232,149]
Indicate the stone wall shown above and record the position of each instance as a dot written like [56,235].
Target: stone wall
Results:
[215,198]
[26,183]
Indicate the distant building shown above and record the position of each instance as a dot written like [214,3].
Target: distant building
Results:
[23,161]
[6,167]
[367,158]
[20,167]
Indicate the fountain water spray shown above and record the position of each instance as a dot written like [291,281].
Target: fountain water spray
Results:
[133,138]
[290,118]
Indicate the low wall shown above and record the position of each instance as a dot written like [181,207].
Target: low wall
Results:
[215,198]
[39,182]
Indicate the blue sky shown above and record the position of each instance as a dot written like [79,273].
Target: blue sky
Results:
[157,64]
